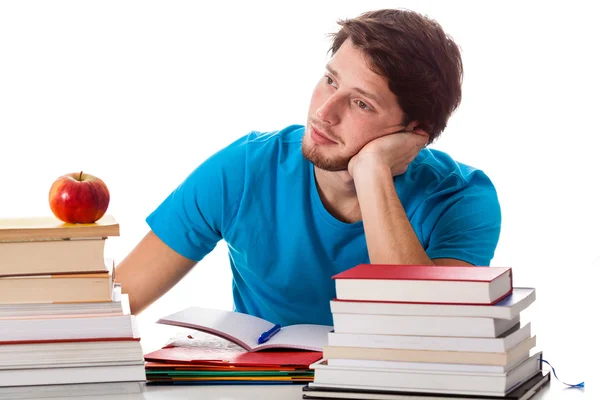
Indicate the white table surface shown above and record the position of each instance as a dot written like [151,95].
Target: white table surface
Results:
[555,390]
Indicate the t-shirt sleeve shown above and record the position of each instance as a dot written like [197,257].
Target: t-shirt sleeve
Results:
[192,218]
[465,221]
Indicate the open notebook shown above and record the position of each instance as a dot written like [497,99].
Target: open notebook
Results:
[244,330]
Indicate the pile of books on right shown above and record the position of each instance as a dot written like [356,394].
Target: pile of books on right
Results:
[428,332]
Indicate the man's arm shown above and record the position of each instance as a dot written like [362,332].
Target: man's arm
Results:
[149,271]
[389,233]
[185,227]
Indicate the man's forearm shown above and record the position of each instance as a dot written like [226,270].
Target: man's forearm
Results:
[149,271]
[390,236]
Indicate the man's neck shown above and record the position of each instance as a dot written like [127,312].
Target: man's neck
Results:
[338,194]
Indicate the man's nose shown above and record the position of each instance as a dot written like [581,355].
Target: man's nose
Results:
[330,110]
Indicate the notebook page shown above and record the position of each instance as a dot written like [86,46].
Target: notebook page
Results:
[204,340]
[242,329]
[302,336]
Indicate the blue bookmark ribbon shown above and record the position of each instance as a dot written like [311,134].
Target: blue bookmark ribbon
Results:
[579,385]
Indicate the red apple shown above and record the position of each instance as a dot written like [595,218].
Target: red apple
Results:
[79,198]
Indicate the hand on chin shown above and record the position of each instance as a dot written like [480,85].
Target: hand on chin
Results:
[393,152]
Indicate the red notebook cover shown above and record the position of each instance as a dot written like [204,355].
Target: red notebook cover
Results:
[200,355]
[423,272]
[163,366]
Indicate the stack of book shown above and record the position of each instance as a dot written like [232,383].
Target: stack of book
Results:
[65,326]
[428,332]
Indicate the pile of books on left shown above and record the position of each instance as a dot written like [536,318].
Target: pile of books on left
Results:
[65,327]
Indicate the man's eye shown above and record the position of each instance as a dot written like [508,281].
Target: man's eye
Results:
[328,80]
[362,105]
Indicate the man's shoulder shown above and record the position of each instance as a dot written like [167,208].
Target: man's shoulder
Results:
[442,172]
[255,145]
[256,148]
[288,134]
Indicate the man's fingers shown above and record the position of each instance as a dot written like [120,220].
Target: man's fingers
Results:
[424,136]
[421,132]
[420,140]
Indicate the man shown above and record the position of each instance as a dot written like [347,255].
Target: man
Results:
[356,185]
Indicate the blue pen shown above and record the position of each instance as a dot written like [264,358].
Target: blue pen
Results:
[269,334]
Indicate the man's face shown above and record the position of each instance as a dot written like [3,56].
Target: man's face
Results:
[350,106]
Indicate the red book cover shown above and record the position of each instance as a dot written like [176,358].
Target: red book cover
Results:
[423,272]
[209,356]
[165,366]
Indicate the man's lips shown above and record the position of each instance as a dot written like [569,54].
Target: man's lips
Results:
[320,137]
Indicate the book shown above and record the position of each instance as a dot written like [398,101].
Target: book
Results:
[244,329]
[207,356]
[73,328]
[52,256]
[431,356]
[50,227]
[502,343]
[443,381]
[422,325]
[428,366]
[55,376]
[507,308]
[72,390]
[71,353]
[424,284]
[227,377]
[118,306]
[57,288]
[525,390]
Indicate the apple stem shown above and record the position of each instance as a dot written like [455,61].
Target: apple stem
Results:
[80,175]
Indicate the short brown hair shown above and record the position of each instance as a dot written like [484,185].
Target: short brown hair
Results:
[423,65]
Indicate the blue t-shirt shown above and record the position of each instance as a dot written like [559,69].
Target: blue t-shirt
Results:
[259,195]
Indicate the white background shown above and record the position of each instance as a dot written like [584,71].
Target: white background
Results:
[140,92]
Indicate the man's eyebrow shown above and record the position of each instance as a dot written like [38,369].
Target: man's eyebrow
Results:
[369,95]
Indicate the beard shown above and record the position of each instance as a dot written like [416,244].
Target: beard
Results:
[332,163]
